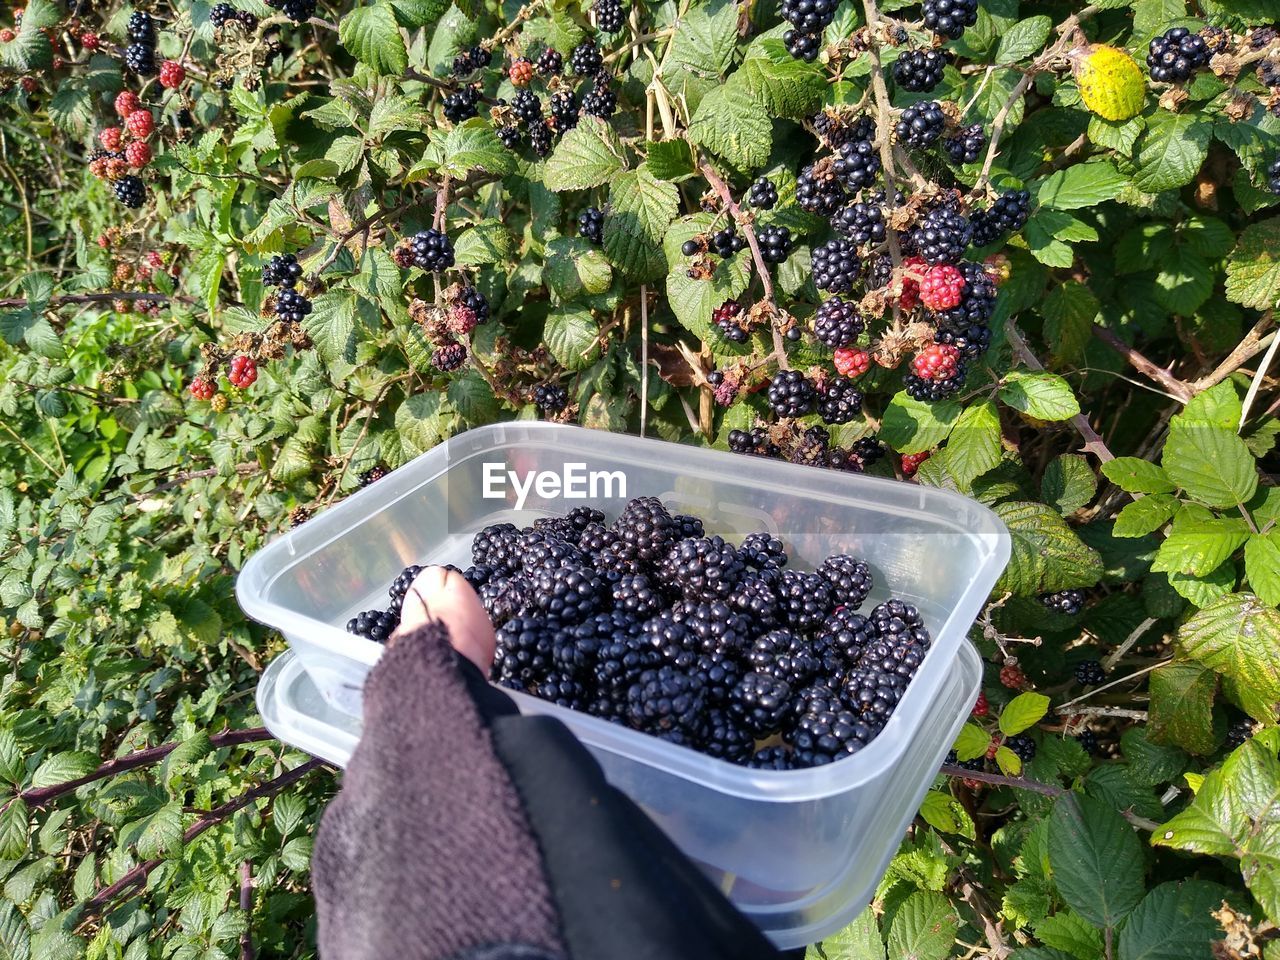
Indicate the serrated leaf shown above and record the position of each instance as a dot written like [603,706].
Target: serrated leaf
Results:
[1145,516]
[972,742]
[1071,933]
[1069,311]
[1096,859]
[1211,463]
[14,826]
[1262,566]
[575,267]
[485,242]
[781,84]
[945,813]
[1023,711]
[422,421]
[162,833]
[1082,185]
[923,928]
[1045,396]
[1253,269]
[730,124]
[1184,281]
[914,426]
[372,36]
[1010,763]
[1198,547]
[1117,135]
[1171,150]
[472,145]
[640,210]
[1181,710]
[860,940]
[1068,484]
[1238,636]
[1135,475]
[669,159]
[571,334]
[694,300]
[705,40]
[1023,39]
[64,767]
[587,156]
[1173,922]
[1046,553]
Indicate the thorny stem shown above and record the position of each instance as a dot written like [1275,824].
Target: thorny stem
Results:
[97,298]
[881,92]
[1180,390]
[246,907]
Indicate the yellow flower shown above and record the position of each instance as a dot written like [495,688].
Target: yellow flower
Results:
[1111,84]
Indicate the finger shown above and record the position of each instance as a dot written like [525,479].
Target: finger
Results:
[444,596]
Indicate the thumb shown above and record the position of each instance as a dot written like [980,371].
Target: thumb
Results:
[441,595]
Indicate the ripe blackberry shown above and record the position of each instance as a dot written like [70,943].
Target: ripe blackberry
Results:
[688,527]
[282,270]
[509,136]
[802,46]
[299,11]
[1007,214]
[837,322]
[664,700]
[549,62]
[850,579]
[839,401]
[131,191]
[372,475]
[564,108]
[761,551]
[636,595]
[702,568]
[221,14]
[400,586]
[1089,673]
[1023,746]
[919,70]
[977,301]
[449,356]
[948,18]
[809,16]
[760,703]
[724,738]
[775,243]
[292,306]
[863,223]
[432,250]
[872,695]
[461,104]
[819,193]
[845,633]
[601,101]
[645,530]
[609,15]
[141,28]
[375,625]
[726,242]
[942,236]
[506,598]
[773,758]
[542,550]
[857,165]
[1070,602]
[791,395]
[836,265]
[591,225]
[1176,55]
[755,599]
[561,689]
[784,655]
[550,397]
[763,195]
[1273,174]
[1088,741]
[525,648]
[931,391]
[713,627]
[880,272]
[824,736]
[477,575]
[585,59]
[540,138]
[476,302]
[967,145]
[526,105]
[1239,732]
[140,58]
[497,546]
[805,599]
[920,124]
[727,319]
[899,623]
[868,449]
[569,593]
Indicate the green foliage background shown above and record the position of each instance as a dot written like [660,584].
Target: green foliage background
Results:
[1123,426]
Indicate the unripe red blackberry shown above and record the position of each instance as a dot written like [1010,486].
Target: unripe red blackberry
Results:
[137,154]
[110,138]
[141,123]
[520,72]
[1011,676]
[980,707]
[126,102]
[911,462]
[203,388]
[7,35]
[172,74]
[942,287]
[243,372]
[852,362]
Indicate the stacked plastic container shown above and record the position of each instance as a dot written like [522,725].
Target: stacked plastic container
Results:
[800,852]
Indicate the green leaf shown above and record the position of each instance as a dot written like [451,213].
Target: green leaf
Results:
[1210,463]
[705,40]
[1262,566]
[973,446]
[587,156]
[64,767]
[1173,922]
[730,124]
[972,742]
[1068,484]
[640,210]
[1023,39]
[571,334]
[1046,553]
[1096,859]
[418,13]
[1082,185]
[486,242]
[1134,475]
[1181,710]
[945,813]
[860,940]
[1117,135]
[1184,282]
[781,84]
[1198,547]
[575,267]
[472,145]
[1022,712]
[1145,516]
[1071,933]
[1010,763]
[1171,150]
[31,50]
[422,421]
[1069,311]
[923,928]
[13,766]
[1150,763]
[692,300]
[669,159]
[14,827]
[1238,636]
[1045,396]
[914,426]
[1218,405]
[1044,245]
[72,108]
[162,833]
[371,35]
[1253,269]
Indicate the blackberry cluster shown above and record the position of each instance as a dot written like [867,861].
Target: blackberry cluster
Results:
[1239,732]
[1089,673]
[609,15]
[140,54]
[540,137]
[1070,602]
[837,323]
[549,62]
[591,225]
[1176,55]
[299,11]
[839,401]
[601,101]
[775,243]
[131,191]
[432,250]
[550,397]
[697,641]
[526,105]
[1273,176]
[948,18]
[292,306]
[282,270]
[508,136]
[461,104]
[728,320]
[967,145]
[791,395]
[727,242]
[942,236]
[586,59]
[469,61]
[863,223]
[802,46]
[977,304]
[763,195]
[449,356]
[920,124]
[930,390]
[1007,214]
[808,18]
[836,265]
[919,70]
[1023,746]
[820,193]
[856,164]
[564,108]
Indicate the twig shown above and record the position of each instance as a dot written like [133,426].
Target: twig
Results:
[1093,443]
[1259,376]
[96,298]
[1122,712]
[1113,658]
[644,357]
[1067,707]
[215,816]
[883,105]
[1252,344]
[246,907]
[1178,389]
[1000,780]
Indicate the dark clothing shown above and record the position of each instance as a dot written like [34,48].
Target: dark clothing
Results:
[464,831]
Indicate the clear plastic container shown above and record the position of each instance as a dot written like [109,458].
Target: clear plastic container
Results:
[799,851]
